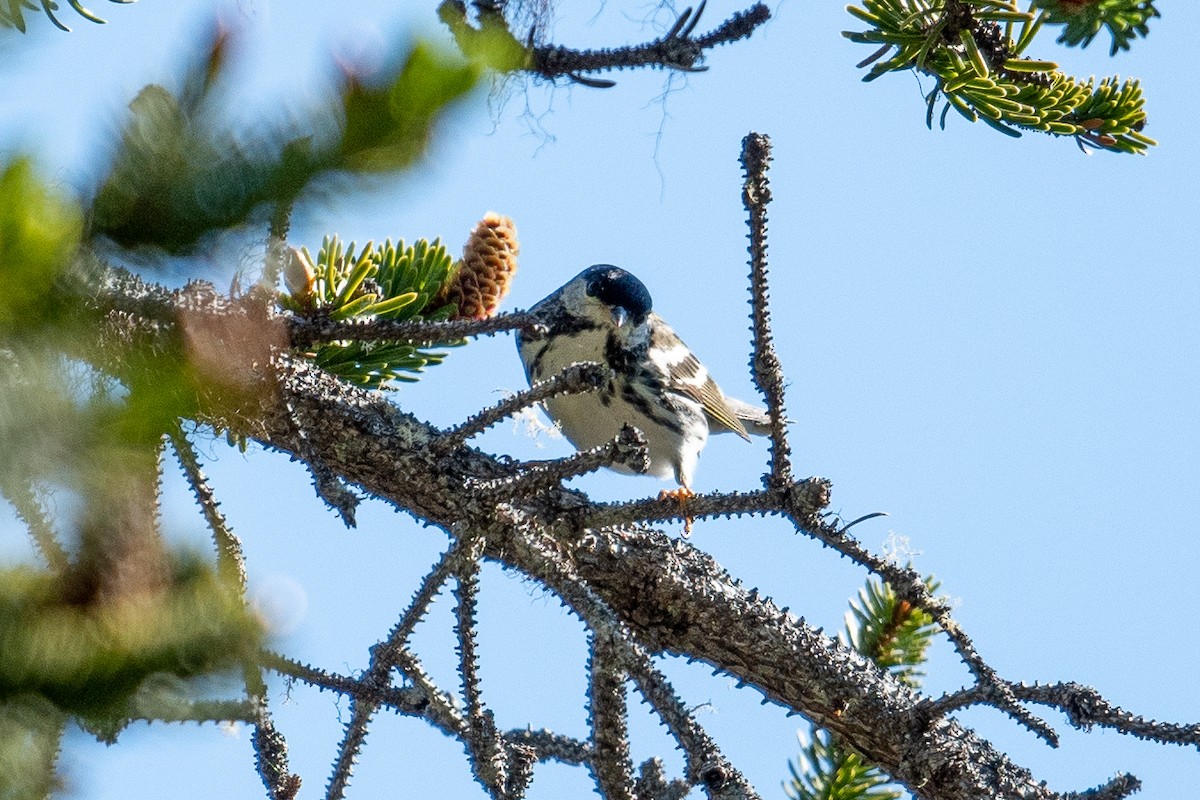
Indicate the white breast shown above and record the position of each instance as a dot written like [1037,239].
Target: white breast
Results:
[592,419]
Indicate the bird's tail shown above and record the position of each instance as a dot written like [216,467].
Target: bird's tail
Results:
[756,420]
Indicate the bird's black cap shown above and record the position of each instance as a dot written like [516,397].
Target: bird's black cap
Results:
[618,288]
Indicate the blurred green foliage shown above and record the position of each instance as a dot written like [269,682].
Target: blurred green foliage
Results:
[1082,20]
[89,659]
[39,235]
[30,728]
[388,121]
[177,174]
[388,281]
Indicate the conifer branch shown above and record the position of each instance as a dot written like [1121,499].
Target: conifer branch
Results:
[494,44]
[976,55]
[12,13]
[1082,20]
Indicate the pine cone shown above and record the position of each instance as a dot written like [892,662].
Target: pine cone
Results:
[488,265]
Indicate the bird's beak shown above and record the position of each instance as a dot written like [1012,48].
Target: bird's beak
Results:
[620,316]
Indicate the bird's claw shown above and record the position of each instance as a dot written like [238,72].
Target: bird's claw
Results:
[681,496]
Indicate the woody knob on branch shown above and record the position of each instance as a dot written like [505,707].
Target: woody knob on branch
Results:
[482,278]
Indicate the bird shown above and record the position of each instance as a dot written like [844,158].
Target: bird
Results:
[605,315]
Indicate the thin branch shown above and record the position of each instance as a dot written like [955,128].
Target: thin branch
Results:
[271,757]
[30,510]
[628,449]
[612,765]
[441,704]
[765,366]
[494,44]
[408,700]
[810,495]
[1118,788]
[677,49]
[652,783]
[231,561]
[270,746]
[575,379]
[307,331]
[910,585]
[1084,707]
[706,766]
[489,755]
[386,656]
[465,591]
[550,746]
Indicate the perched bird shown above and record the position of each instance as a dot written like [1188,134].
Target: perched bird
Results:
[604,315]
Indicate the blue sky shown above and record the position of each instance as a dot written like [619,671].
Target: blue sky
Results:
[993,340]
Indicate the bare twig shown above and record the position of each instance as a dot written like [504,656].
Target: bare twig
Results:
[910,585]
[705,764]
[677,49]
[230,560]
[384,657]
[627,449]
[270,746]
[808,497]
[494,43]
[612,764]
[490,755]
[1083,706]
[765,366]
[575,379]
[1118,788]
[407,700]
[467,575]
[29,508]
[652,783]
[549,746]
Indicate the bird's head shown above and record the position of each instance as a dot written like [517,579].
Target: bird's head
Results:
[601,296]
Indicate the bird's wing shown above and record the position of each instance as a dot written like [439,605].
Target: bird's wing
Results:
[689,377]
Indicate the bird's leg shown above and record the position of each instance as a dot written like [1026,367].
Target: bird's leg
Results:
[681,496]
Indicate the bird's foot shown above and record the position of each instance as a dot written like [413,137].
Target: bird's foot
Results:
[681,496]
